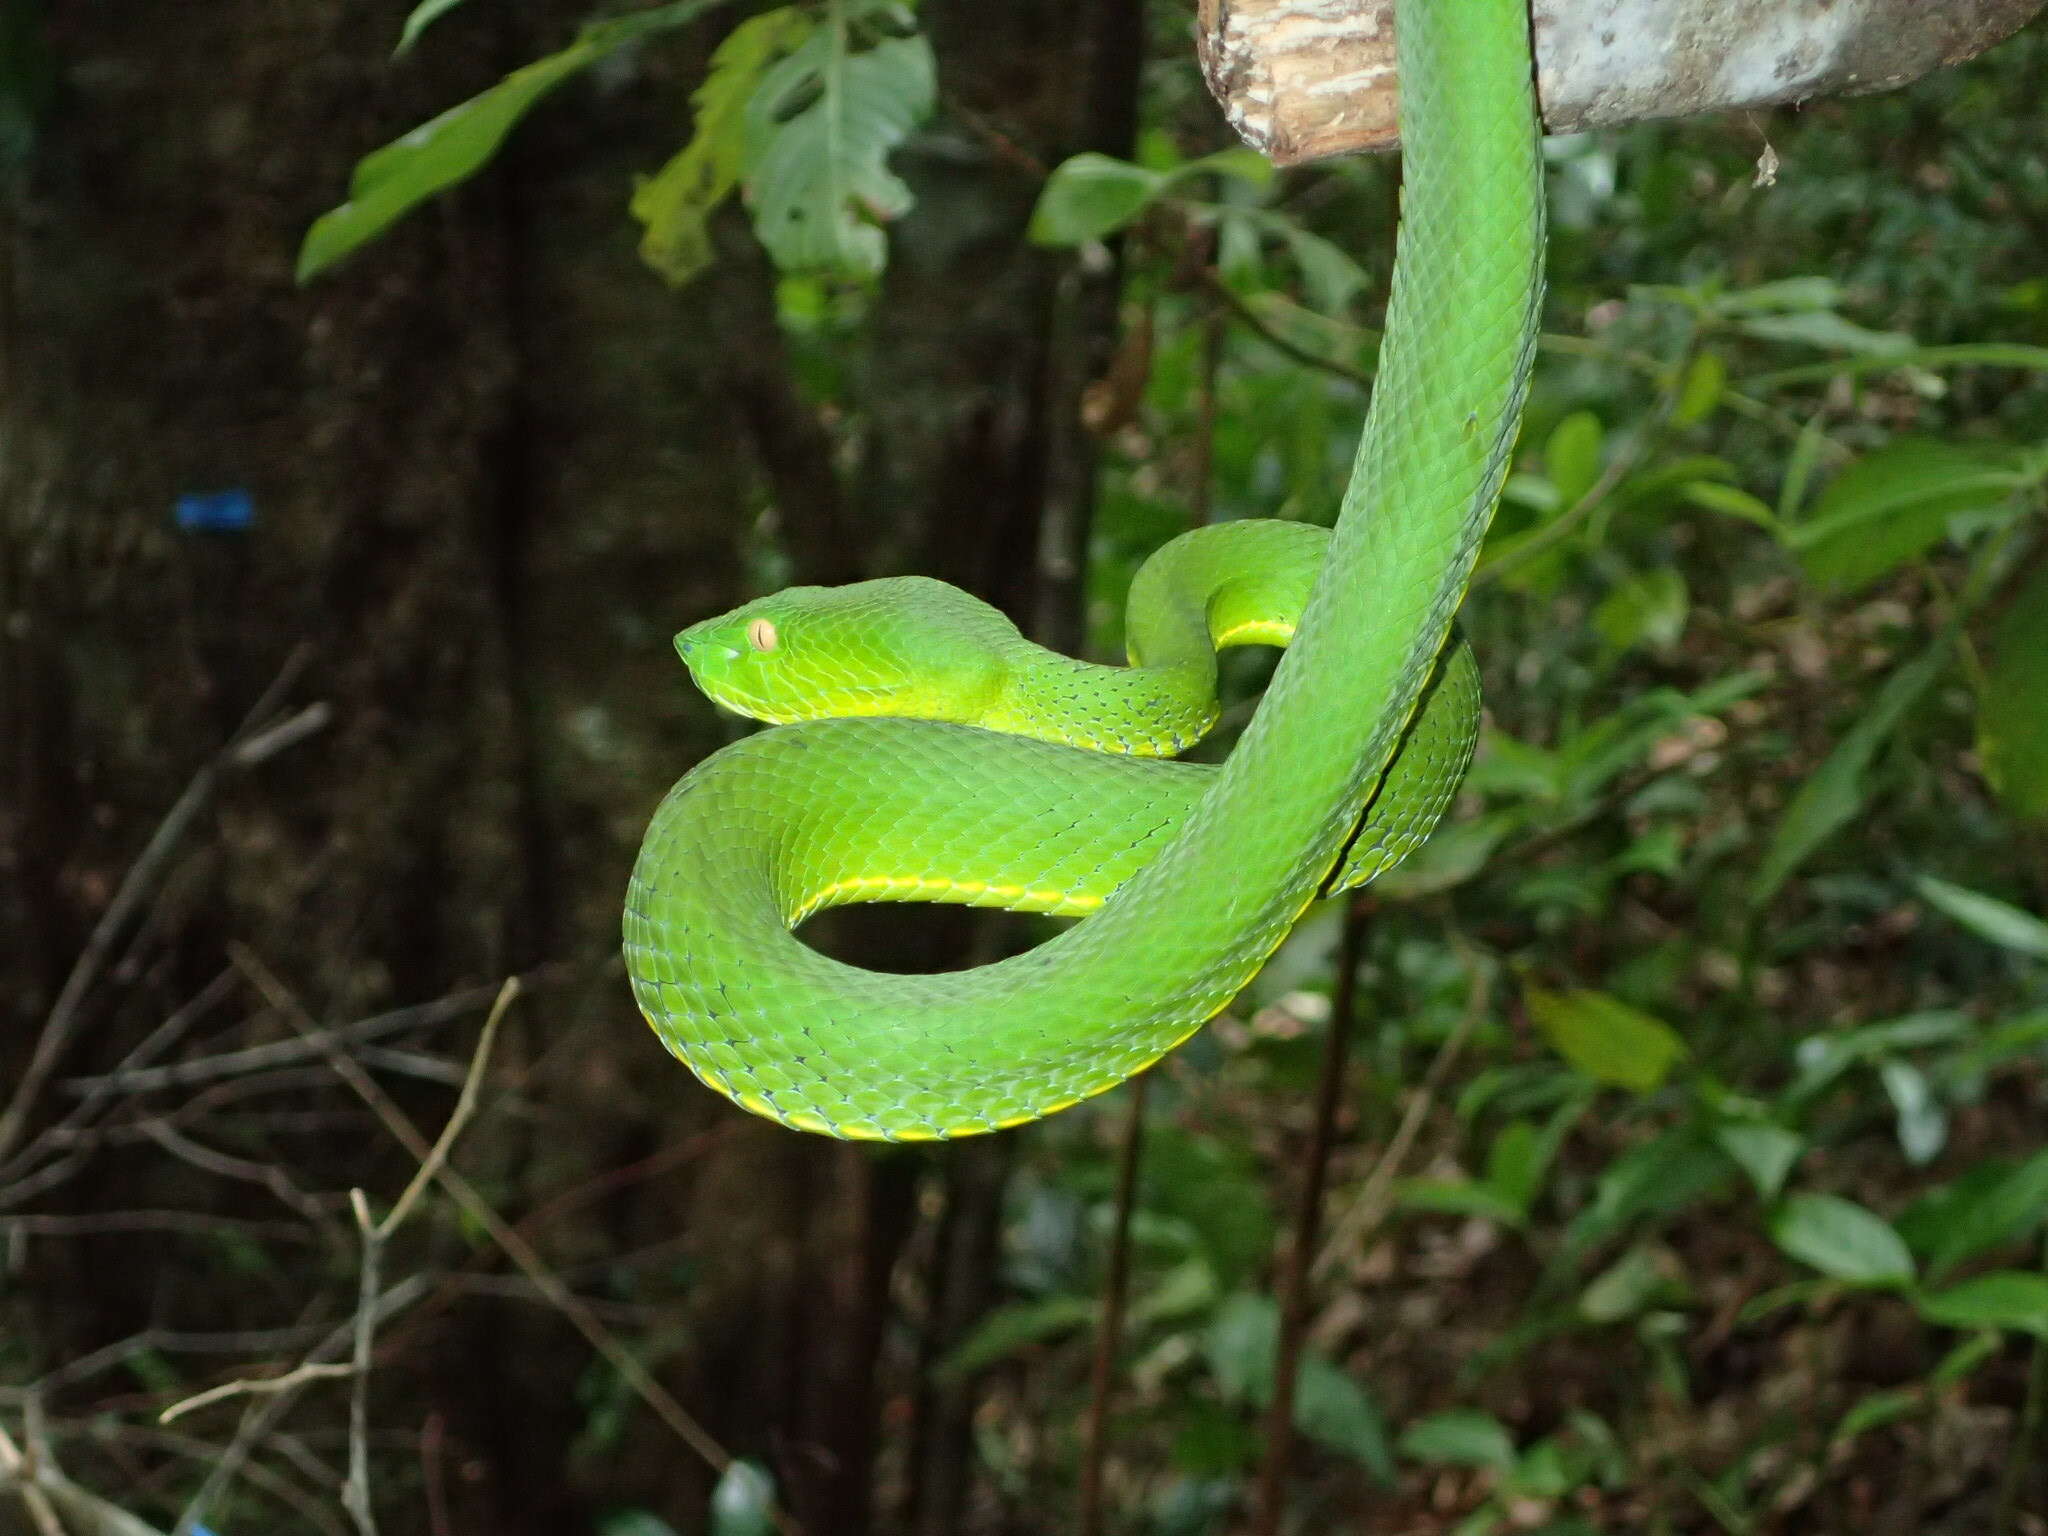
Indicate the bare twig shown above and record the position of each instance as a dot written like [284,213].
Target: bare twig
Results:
[66,1014]
[1370,1208]
[290,1381]
[1294,1288]
[355,1492]
[501,1232]
[22,1470]
[465,1106]
[1109,1329]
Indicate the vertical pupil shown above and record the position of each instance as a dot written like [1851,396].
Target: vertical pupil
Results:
[761,635]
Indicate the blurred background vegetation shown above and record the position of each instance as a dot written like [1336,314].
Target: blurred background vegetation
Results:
[1689,1172]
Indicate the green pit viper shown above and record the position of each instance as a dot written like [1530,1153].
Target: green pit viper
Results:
[926,752]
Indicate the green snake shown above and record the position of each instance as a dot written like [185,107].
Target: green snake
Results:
[927,752]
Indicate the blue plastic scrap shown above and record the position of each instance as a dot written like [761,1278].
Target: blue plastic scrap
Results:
[229,511]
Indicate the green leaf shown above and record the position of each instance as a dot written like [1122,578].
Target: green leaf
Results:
[1459,1197]
[1090,196]
[1624,1288]
[437,155]
[1824,328]
[1764,1151]
[1460,1437]
[2012,719]
[1329,1406]
[819,132]
[1993,354]
[2005,1298]
[1650,607]
[1572,456]
[1877,1409]
[1332,1408]
[1215,1187]
[1007,1330]
[1606,1039]
[1980,1212]
[1841,1239]
[1701,392]
[1922,1123]
[676,203]
[1894,505]
[1835,794]
[423,16]
[1784,294]
[1730,501]
[1657,1178]
[743,1503]
[635,1522]
[1986,916]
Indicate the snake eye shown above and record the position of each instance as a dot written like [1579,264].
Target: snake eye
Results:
[761,635]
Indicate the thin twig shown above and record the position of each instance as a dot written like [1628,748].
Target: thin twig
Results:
[33,1499]
[290,1381]
[66,1014]
[1109,1329]
[1294,1289]
[1258,325]
[355,1491]
[515,1247]
[1370,1208]
[465,1106]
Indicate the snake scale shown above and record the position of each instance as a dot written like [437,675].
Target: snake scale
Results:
[926,752]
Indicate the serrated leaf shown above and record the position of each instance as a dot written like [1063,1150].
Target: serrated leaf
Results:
[1571,457]
[2012,718]
[819,131]
[423,16]
[1090,196]
[2006,1298]
[1836,792]
[1606,1039]
[440,154]
[676,203]
[1892,506]
[2001,922]
[1460,1437]
[1841,1239]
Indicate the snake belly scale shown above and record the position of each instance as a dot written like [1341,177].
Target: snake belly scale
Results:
[926,752]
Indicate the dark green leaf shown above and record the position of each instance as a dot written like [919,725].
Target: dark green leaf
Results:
[2006,1298]
[1460,1437]
[1572,456]
[1835,794]
[1328,1405]
[1459,1197]
[1701,392]
[1090,196]
[2012,720]
[1018,1326]
[1893,505]
[456,145]
[1980,1212]
[1841,1239]
[1876,1410]
[1650,607]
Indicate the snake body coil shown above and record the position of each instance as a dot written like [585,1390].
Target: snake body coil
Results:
[1022,779]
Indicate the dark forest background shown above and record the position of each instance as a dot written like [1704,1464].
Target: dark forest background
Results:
[1690,1173]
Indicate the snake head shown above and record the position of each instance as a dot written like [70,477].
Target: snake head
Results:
[905,646]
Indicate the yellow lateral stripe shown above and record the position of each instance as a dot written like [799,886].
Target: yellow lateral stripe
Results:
[1064,903]
[1258,631]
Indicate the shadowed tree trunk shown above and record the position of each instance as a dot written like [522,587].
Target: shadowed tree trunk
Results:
[493,463]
